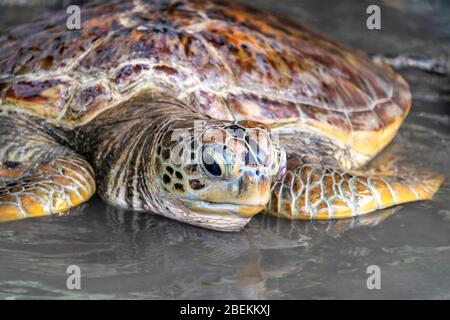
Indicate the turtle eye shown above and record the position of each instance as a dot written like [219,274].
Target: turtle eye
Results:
[218,161]
[213,168]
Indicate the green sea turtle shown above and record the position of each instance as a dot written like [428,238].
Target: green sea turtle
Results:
[206,112]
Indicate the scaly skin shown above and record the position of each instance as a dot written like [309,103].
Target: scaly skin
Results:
[133,175]
[54,188]
[39,176]
[112,94]
[145,174]
[311,191]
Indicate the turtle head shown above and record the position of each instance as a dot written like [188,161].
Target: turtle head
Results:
[220,173]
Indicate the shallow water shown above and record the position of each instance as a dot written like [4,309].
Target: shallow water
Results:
[131,255]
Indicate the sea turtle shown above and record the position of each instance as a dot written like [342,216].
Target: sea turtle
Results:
[207,112]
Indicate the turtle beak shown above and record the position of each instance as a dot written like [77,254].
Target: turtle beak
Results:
[229,205]
[221,216]
[245,211]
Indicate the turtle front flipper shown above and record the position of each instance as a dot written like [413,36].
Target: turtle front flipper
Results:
[38,175]
[310,191]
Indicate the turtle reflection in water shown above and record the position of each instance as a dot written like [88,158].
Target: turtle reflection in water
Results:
[100,109]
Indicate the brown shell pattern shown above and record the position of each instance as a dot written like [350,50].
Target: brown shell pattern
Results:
[227,60]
